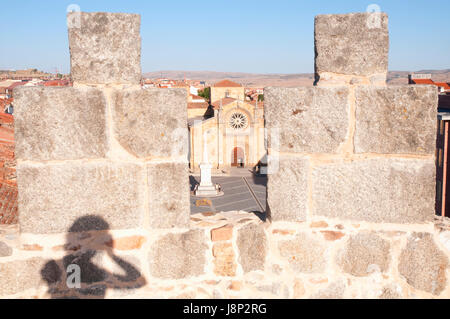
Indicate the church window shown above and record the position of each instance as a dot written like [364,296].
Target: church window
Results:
[238,121]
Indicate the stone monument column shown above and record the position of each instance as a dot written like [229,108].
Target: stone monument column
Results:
[206,187]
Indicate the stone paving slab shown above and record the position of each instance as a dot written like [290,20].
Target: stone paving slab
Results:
[237,195]
[244,195]
[228,206]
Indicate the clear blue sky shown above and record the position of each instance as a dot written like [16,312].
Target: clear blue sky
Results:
[243,36]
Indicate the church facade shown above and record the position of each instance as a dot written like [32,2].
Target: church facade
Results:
[231,129]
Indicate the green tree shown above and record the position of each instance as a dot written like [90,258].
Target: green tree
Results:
[260,97]
[205,93]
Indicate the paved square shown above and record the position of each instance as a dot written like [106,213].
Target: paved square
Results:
[247,193]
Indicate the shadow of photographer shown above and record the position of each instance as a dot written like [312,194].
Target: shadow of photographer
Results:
[80,274]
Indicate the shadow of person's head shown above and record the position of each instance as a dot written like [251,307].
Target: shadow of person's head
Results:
[89,223]
[89,232]
[81,271]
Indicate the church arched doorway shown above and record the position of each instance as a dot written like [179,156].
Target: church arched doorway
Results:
[237,157]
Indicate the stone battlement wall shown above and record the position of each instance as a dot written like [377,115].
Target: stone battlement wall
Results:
[103,182]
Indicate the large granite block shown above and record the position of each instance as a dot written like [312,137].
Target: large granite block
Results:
[396,119]
[363,254]
[351,44]
[52,197]
[20,275]
[152,122]
[59,123]
[168,195]
[5,250]
[179,255]
[252,245]
[308,119]
[383,190]
[105,47]
[287,189]
[423,264]
[306,253]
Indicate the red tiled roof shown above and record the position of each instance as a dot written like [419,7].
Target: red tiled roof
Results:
[5,102]
[8,203]
[57,83]
[6,135]
[228,100]
[196,97]
[198,105]
[8,186]
[6,152]
[180,84]
[16,84]
[225,101]
[446,86]
[6,118]
[226,84]
[423,81]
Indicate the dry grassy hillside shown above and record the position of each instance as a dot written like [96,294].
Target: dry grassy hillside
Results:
[286,80]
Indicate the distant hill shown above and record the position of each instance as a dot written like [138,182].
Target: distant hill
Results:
[247,79]
[280,79]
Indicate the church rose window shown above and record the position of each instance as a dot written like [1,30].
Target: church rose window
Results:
[238,121]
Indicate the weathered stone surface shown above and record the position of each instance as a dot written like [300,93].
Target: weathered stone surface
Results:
[396,119]
[105,47]
[287,189]
[318,224]
[224,264]
[334,290]
[32,247]
[235,285]
[277,269]
[305,253]
[444,238]
[283,231]
[252,246]
[59,123]
[332,235]
[318,280]
[5,250]
[54,196]
[391,292]
[352,44]
[274,288]
[222,233]
[127,243]
[179,255]
[168,195]
[376,190]
[17,276]
[152,122]
[308,119]
[364,254]
[423,264]
[299,289]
